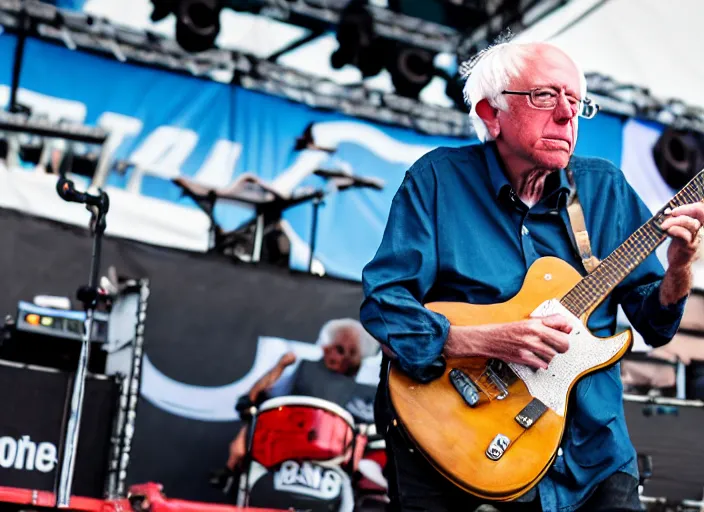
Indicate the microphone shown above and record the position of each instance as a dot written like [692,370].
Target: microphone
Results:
[67,191]
[65,187]
[98,204]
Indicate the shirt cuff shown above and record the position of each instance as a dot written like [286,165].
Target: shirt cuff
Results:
[429,372]
[664,320]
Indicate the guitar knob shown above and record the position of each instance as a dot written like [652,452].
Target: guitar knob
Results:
[497,447]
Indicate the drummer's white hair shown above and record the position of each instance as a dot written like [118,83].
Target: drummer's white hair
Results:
[368,346]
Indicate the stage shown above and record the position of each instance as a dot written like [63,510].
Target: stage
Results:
[147,497]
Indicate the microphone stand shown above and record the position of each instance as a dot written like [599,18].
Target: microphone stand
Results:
[88,295]
[317,200]
[341,181]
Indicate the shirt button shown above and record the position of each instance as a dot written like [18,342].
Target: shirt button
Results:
[559,452]
[524,231]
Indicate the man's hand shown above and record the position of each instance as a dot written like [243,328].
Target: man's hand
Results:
[684,225]
[273,375]
[238,449]
[532,342]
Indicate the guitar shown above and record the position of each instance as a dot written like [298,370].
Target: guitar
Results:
[494,428]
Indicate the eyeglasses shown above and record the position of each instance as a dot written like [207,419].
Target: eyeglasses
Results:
[545,98]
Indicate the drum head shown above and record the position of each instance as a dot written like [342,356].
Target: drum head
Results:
[306,401]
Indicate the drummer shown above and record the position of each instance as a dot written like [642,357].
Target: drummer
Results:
[345,346]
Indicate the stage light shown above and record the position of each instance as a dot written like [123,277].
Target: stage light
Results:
[47,321]
[32,319]
[197,24]
[411,70]
[358,44]
[197,21]
[679,155]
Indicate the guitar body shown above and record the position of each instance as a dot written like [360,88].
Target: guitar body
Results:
[455,437]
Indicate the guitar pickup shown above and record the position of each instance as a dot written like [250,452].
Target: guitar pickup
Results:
[465,386]
[531,413]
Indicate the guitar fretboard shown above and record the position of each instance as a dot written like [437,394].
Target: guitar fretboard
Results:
[593,288]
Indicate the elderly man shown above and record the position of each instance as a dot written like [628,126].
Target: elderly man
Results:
[465,225]
[345,346]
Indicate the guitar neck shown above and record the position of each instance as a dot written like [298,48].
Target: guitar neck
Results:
[597,285]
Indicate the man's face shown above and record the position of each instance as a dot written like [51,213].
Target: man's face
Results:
[342,355]
[542,138]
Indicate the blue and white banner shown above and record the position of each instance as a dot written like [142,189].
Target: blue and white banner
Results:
[170,125]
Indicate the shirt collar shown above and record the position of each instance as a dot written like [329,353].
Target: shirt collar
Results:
[499,181]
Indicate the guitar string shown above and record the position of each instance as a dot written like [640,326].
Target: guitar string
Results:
[636,248]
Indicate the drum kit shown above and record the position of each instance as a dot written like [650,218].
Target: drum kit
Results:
[306,453]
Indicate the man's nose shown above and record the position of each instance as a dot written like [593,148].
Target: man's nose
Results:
[563,110]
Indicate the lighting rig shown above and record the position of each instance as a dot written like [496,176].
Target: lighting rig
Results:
[413,35]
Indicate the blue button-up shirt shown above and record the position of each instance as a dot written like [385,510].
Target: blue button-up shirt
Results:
[457,231]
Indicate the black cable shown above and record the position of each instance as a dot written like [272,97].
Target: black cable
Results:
[584,15]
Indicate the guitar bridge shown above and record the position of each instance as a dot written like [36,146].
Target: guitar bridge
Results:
[493,380]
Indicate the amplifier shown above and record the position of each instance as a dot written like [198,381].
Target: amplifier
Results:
[31,428]
[670,432]
[59,323]
[52,338]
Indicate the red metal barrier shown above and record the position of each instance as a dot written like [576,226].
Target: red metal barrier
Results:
[48,499]
[142,498]
[149,497]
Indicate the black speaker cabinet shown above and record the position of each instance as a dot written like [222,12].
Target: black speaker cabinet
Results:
[670,432]
[33,402]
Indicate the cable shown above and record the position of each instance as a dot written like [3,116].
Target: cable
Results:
[579,18]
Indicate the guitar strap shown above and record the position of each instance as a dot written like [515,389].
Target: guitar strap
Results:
[579,227]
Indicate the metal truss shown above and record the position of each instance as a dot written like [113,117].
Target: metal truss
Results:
[81,31]
[314,14]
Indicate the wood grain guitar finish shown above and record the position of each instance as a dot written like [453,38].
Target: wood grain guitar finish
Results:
[501,446]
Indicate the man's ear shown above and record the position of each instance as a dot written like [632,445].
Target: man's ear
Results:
[489,115]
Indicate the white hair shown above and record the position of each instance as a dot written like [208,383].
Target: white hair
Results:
[368,346]
[492,72]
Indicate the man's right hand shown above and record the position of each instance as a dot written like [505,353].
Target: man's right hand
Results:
[532,342]
[273,375]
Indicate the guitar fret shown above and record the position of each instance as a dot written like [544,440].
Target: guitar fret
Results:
[621,265]
[689,197]
[652,236]
[591,290]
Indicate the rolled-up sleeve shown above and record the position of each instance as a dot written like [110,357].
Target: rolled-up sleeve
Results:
[400,275]
[657,324]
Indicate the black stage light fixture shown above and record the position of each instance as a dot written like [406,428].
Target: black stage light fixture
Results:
[411,69]
[679,156]
[197,24]
[358,43]
[197,21]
